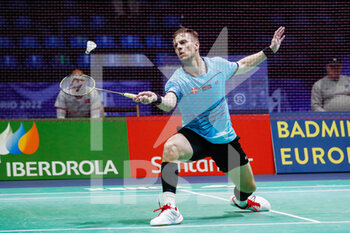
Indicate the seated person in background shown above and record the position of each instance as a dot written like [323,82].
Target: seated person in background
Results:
[332,92]
[68,106]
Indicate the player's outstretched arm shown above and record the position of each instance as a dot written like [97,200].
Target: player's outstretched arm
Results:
[249,62]
[166,103]
[277,39]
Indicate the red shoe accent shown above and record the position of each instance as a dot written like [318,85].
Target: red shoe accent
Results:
[163,208]
[250,203]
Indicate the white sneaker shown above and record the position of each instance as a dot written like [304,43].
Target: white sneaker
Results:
[169,215]
[254,203]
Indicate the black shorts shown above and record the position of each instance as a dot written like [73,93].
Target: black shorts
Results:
[226,156]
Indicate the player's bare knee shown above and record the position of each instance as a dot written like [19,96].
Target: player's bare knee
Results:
[170,152]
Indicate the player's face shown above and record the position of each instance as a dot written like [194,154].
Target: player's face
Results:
[185,46]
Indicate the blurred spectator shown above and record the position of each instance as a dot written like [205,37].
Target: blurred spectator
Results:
[68,106]
[332,92]
[128,7]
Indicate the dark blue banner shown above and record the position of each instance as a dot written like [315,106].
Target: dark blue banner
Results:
[28,100]
[311,142]
[36,100]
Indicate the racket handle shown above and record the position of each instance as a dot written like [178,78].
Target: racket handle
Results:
[129,95]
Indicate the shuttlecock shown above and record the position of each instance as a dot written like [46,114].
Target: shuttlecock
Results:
[90,45]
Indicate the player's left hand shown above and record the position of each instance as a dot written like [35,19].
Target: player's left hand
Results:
[277,39]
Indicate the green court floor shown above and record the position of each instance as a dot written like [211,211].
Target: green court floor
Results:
[298,206]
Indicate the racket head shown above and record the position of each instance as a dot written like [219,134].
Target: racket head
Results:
[77,85]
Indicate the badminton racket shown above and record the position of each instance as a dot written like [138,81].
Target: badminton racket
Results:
[81,85]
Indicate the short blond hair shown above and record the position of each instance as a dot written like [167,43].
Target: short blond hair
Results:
[181,30]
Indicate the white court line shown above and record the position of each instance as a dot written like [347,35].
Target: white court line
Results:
[127,194]
[206,188]
[281,191]
[91,195]
[280,187]
[72,197]
[305,191]
[311,186]
[295,216]
[277,212]
[86,192]
[132,193]
[31,194]
[176,226]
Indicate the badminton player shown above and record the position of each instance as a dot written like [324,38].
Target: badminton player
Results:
[69,106]
[198,88]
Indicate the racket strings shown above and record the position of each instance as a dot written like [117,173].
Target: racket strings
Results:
[77,85]
[80,85]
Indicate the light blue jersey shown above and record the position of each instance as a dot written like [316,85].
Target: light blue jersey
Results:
[202,102]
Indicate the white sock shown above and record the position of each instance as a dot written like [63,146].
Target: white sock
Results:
[169,197]
[241,203]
